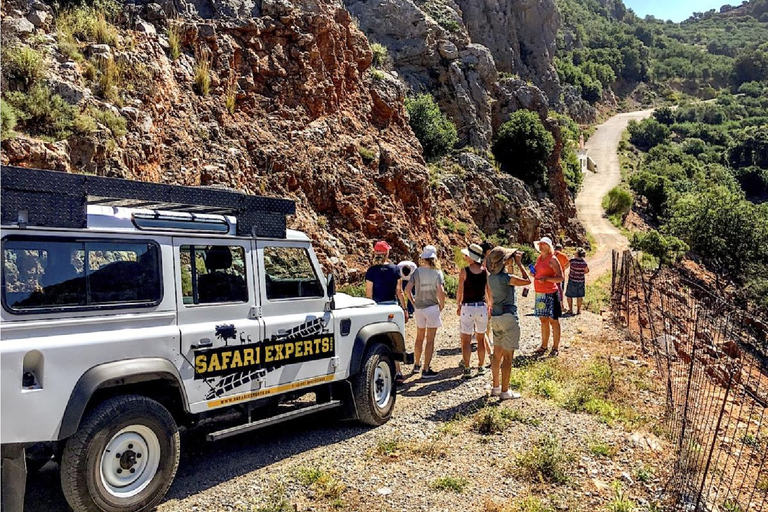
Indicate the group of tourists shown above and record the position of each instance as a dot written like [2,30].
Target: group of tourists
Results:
[486,302]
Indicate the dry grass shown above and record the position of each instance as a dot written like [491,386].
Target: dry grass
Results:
[202,72]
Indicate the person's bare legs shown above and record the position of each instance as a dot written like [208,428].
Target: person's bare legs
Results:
[555,333]
[480,349]
[466,348]
[570,304]
[544,333]
[430,348]
[496,365]
[579,300]
[506,369]
[418,345]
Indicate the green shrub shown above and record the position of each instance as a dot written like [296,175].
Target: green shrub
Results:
[8,119]
[666,249]
[109,78]
[647,133]
[547,461]
[23,67]
[88,24]
[84,124]
[489,420]
[380,55]
[665,116]
[368,155]
[116,123]
[620,502]
[434,130]
[451,286]
[42,112]
[523,147]
[656,189]
[618,201]
[377,74]
[355,290]
[449,483]
[572,171]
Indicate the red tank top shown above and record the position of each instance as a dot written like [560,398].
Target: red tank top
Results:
[543,269]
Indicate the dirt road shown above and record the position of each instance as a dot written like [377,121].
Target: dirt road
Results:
[602,148]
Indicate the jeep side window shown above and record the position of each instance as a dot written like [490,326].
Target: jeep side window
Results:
[290,274]
[40,273]
[218,274]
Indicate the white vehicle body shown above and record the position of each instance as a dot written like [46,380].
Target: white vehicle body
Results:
[139,316]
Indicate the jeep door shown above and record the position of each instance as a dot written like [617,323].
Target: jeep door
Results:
[299,345]
[217,319]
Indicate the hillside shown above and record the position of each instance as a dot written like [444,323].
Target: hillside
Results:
[275,98]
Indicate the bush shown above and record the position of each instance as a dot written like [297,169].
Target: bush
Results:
[88,24]
[664,115]
[618,201]
[434,130]
[380,55]
[666,249]
[43,112]
[23,67]
[523,147]
[572,171]
[753,89]
[202,74]
[647,133]
[656,189]
[546,461]
[8,119]
[115,122]
[451,286]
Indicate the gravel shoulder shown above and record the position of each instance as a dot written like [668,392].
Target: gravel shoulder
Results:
[430,437]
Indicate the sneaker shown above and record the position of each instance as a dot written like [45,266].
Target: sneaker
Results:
[481,370]
[467,373]
[399,379]
[496,391]
[428,373]
[416,368]
[461,363]
[508,395]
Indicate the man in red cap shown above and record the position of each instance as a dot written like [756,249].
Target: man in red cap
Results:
[381,284]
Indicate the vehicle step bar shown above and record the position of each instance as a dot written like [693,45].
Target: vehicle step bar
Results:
[273,420]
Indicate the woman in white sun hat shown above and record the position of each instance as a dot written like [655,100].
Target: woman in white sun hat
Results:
[474,301]
[547,306]
[427,290]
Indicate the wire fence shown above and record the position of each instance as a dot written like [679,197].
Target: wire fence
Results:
[712,356]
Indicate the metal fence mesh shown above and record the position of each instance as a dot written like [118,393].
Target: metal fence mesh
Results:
[712,355]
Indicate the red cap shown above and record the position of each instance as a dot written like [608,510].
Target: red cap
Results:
[381,246]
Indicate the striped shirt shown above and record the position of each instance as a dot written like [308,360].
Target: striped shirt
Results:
[578,265]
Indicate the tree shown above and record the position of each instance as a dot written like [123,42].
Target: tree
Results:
[750,148]
[656,189]
[647,133]
[434,130]
[664,115]
[666,249]
[752,64]
[523,147]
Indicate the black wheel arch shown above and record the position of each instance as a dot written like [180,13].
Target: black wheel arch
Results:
[154,377]
[386,333]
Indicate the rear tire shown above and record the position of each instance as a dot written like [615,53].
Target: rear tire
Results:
[374,387]
[123,458]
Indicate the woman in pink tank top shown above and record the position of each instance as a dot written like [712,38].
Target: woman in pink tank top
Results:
[547,306]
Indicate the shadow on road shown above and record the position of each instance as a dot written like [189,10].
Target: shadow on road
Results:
[205,464]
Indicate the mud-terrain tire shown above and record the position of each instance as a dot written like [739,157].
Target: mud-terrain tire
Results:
[103,467]
[374,387]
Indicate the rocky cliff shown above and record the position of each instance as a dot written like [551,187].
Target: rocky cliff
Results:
[290,108]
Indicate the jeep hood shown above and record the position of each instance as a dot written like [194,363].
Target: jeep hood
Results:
[344,301]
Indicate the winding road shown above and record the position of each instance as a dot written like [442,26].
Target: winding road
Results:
[602,147]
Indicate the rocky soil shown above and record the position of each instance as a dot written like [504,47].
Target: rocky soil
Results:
[320,464]
[308,119]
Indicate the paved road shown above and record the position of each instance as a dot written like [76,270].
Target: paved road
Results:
[602,148]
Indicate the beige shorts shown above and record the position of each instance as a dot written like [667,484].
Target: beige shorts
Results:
[473,319]
[506,331]
[428,317]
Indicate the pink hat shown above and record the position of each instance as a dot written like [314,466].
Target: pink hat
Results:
[381,246]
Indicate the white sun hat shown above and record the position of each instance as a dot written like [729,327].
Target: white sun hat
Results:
[544,240]
[429,252]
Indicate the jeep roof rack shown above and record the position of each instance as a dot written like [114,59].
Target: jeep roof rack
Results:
[60,199]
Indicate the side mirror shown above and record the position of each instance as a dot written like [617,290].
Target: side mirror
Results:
[330,285]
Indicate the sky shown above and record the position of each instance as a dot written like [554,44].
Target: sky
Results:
[675,10]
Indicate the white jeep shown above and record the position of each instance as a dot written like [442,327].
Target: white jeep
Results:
[131,309]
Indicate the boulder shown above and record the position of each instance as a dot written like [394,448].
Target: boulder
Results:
[17,27]
[38,18]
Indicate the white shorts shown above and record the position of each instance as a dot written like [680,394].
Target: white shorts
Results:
[428,317]
[474,319]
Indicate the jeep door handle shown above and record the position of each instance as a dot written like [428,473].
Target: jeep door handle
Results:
[203,343]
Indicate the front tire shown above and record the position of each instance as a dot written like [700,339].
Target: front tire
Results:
[123,458]
[374,387]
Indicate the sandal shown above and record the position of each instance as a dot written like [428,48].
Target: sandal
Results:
[540,351]
[554,352]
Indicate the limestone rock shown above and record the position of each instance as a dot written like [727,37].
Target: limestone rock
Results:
[38,18]
[17,27]
[145,27]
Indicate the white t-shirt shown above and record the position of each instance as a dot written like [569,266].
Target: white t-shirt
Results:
[411,265]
